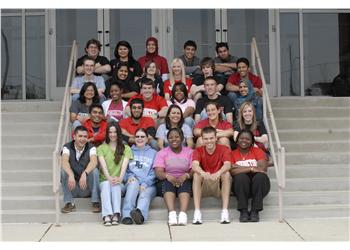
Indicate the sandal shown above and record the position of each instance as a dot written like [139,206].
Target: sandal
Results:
[115,219]
[107,221]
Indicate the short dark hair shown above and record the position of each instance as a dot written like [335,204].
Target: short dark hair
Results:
[248,132]
[146,81]
[93,41]
[178,130]
[80,128]
[243,60]
[190,43]
[210,78]
[137,101]
[208,130]
[219,45]
[95,105]
[83,89]
[207,61]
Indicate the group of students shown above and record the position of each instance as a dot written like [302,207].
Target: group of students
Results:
[138,134]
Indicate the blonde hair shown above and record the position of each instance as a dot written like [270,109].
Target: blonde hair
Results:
[183,73]
[240,118]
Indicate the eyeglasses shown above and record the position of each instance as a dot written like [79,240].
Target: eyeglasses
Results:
[140,136]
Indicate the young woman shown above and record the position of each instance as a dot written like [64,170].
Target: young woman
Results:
[173,169]
[152,55]
[247,120]
[249,168]
[224,130]
[152,72]
[179,97]
[140,181]
[114,108]
[79,110]
[177,74]
[113,157]
[174,119]
[122,75]
[123,53]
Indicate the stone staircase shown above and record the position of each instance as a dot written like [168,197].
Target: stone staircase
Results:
[317,152]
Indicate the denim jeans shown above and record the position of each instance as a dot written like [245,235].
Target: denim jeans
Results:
[111,197]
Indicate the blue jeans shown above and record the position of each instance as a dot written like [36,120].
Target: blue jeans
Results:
[91,190]
[111,197]
[134,198]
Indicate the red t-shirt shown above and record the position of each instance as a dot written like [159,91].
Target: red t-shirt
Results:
[236,78]
[153,106]
[160,61]
[100,135]
[223,125]
[212,162]
[250,159]
[168,88]
[131,127]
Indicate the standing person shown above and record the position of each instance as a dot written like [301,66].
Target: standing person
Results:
[140,181]
[179,97]
[79,173]
[190,60]
[123,53]
[211,177]
[114,107]
[113,157]
[152,55]
[152,72]
[177,74]
[79,109]
[249,168]
[92,50]
[96,125]
[173,169]
[88,76]
[225,63]
[174,119]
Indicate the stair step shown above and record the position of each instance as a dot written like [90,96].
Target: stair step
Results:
[31,106]
[29,139]
[310,101]
[27,150]
[309,134]
[24,128]
[313,170]
[313,123]
[308,112]
[317,157]
[310,184]
[317,146]
[26,175]
[13,117]
[29,163]
[27,188]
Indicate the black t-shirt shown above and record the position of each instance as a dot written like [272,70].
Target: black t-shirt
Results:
[99,59]
[128,85]
[260,128]
[224,102]
[134,66]
[198,80]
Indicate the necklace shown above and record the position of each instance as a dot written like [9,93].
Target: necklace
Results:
[243,156]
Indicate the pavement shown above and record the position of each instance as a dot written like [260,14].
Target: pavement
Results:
[291,230]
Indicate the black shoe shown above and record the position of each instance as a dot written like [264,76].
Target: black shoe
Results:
[254,216]
[137,216]
[244,217]
[127,221]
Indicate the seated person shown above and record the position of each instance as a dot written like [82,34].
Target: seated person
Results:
[92,49]
[138,120]
[122,75]
[180,98]
[152,55]
[189,59]
[114,107]
[224,130]
[79,173]
[176,75]
[123,53]
[247,121]
[249,168]
[79,109]
[155,106]
[174,119]
[88,76]
[211,177]
[225,64]
[96,125]
[173,169]
[152,72]
[208,68]
[211,86]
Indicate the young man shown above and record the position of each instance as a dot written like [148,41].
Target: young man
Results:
[137,120]
[88,76]
[224,62]
[96,125]
[79,174]
[155,106]
[211,164]
[189,59]
[92,49]
[211,89]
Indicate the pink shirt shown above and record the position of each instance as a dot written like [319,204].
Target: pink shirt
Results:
[115,111]
[174,164]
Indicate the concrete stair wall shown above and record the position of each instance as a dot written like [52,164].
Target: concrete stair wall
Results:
[317,164]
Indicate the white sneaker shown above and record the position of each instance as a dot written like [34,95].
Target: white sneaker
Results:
[182,219]
[172,218]
[197,217]
[224,217]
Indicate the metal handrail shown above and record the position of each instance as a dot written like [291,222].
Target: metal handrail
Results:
[63,132]
[279,159]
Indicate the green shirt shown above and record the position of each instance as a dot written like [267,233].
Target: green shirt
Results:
[107,153]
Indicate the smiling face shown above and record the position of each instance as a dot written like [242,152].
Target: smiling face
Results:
[80,138]
[152,69]
[244,140]
[89,93]
[177,70]
[136,111]
[189,52]
[175,115]
[248,114]
[242,69]
[174,139]
[89,66]
[115,92]
[223,53]
[123,51]
[140,139]
[243,89]
[96,115]
[209,141]
[147,91]
[151,47]
[112,134]
[122,72]
[92,50]
[210,87]
[213,112]
[179,94]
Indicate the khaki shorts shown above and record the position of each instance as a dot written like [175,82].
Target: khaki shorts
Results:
[211,188]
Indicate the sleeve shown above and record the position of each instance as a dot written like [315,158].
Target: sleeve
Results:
[233,157]
[226,154]
[128,152]
[101,135]
[261,128]
[166,87]
[187,131]
[232,79]
[100,83]
[92,151]
[259,154]
[257,82]
[196,156]
[160,131]
[199,106]
[191,103]
[65,151]
[104,60]
[227,105]
[162,102]
[100,150]
[75,84]
[200,125]
[79,62]
[150,179]
[227,125]
[160,159]
[74,107]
